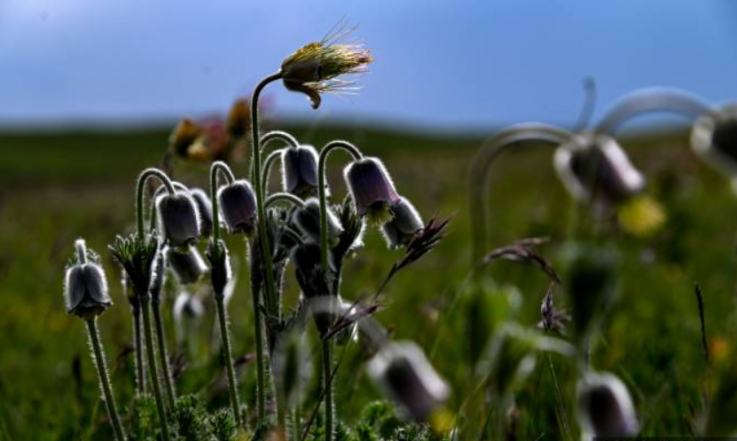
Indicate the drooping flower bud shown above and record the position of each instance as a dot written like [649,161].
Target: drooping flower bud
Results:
[307,220]
[221,273]
[85,287]
[188,313]
[184,136]
[299,171]
[158,277]
[179,222]
[187,266]
[204,209]
[404,225]
[238,207]
[594,167]
[605,408]
[239,119]
[312,283]
[714,138]
[404,373]
[371,188]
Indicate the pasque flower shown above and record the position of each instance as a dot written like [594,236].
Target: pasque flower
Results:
[204,209]
[405,374]
[307,220]
[594,167]
[312,282]
[299,171]
[179,220]
[714,137]
[187,266]
[404,225]
[238,207]
[605,407]
[85,286]
[315,68]
[372,189]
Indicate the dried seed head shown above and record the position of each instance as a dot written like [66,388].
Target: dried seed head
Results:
[372,189]
[315,68]
[404,225]
[714,138]
[239,119]
[221,273]
[605,408]
[179,221]
[204,209]
[158,277]
[238,207]
[187,266]
[404,373]
[85,286]
[307,220]
[299,171]
[595,168]
[590,277]
[184,136]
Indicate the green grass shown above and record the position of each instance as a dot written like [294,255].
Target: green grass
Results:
[57,187]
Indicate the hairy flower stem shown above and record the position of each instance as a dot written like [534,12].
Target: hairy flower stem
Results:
[164,356]
[146,296]
[264,239]
[327,365]
[481,165]
[107,390]
[138,343]
[219,297]
[152,368]
[228,357]
[274,135]
[260,365]
[327,359]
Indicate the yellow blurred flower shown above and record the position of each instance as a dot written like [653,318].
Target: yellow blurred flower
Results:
[641,216]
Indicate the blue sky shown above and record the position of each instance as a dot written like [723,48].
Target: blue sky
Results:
[442,64]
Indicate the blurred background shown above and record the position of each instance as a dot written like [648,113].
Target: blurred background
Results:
[91,89]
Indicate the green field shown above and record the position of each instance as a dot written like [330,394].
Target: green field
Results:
[57,187]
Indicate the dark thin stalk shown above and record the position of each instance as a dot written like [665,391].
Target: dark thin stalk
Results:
[559,398]
[704,343]
[107,390]
[327,362]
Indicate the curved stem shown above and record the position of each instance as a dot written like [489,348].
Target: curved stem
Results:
[228,357]
[484,159]
[164,356]
[256,179]
[266,169]
[142,179]
[322,196]
[589,104]
[217,166]
[651,100]
[279,135]
[153,370]
[263,238]
[107,390]
[284,197]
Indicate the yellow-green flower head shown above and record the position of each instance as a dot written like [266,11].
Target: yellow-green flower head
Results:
[315,68]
